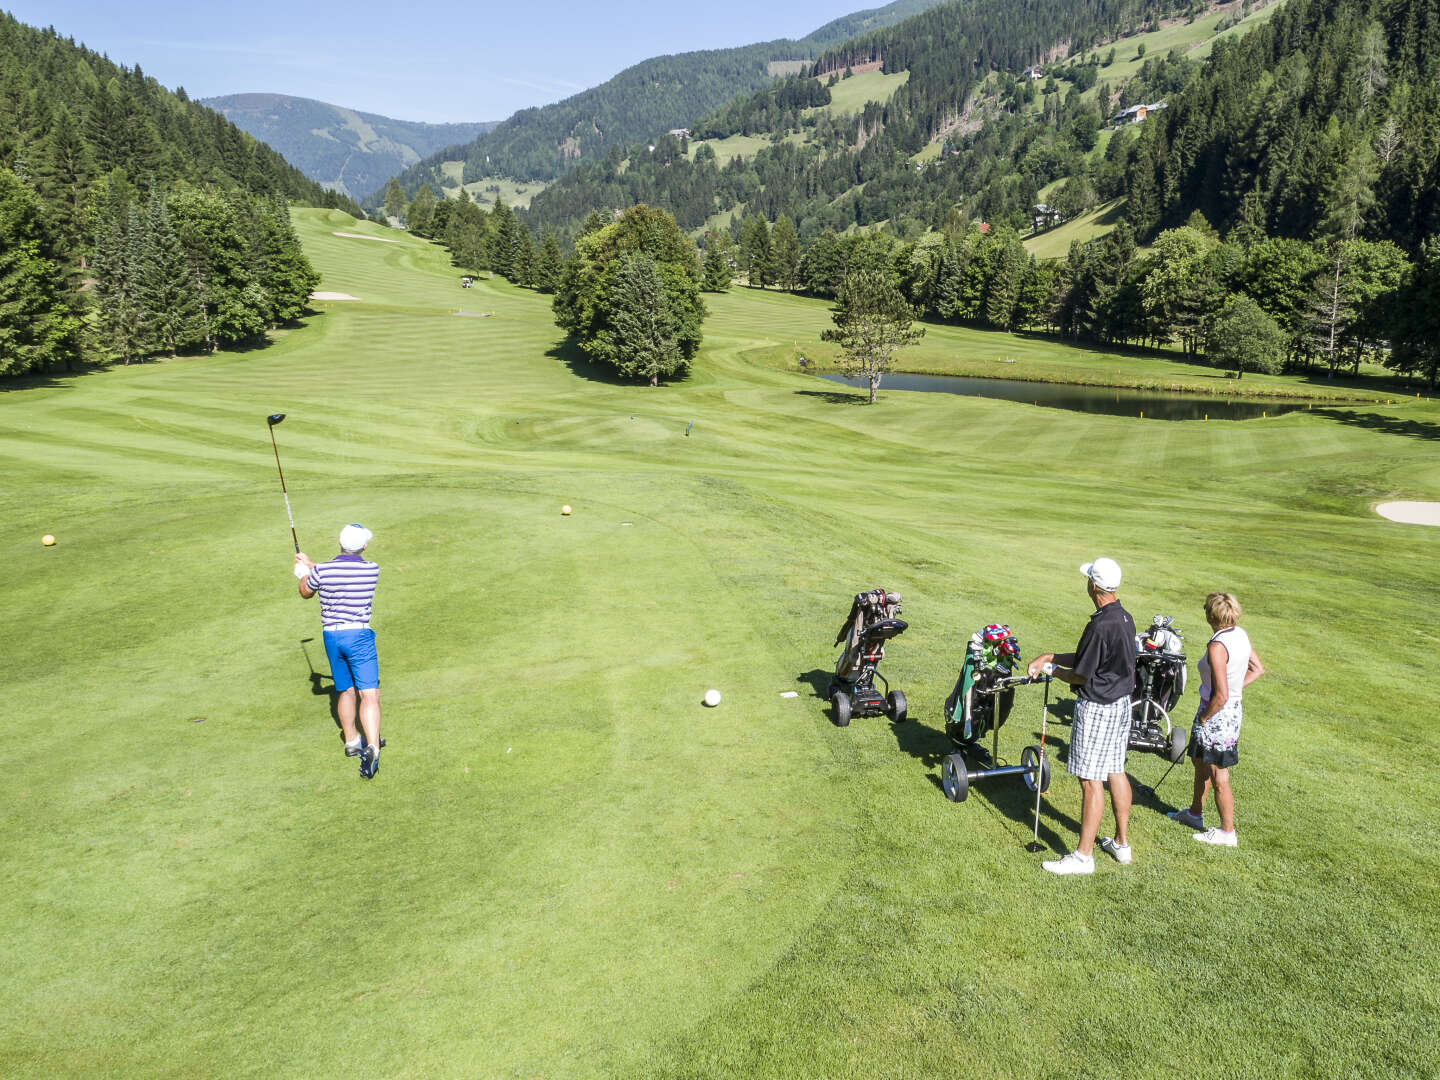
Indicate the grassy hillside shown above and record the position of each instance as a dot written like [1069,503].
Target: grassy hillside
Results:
[566,866]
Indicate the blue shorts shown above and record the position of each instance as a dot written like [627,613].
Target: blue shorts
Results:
[353,661]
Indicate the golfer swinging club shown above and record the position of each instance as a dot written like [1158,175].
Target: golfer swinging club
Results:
[1102,668]
[346,585]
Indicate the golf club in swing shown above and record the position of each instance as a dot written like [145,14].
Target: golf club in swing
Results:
[271,421]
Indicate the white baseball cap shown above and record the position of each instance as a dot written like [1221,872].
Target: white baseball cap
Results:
[1105,573]
[354,537]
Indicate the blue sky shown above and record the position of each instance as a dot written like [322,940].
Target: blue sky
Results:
[416,62]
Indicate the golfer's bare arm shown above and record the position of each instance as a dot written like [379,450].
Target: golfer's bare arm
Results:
[1064,663]
[304,583]
[1254,669]
[1220,686]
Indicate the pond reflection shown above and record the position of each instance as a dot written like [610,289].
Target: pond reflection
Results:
[1152,404]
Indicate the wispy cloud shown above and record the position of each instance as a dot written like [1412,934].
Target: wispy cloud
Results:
[546,86]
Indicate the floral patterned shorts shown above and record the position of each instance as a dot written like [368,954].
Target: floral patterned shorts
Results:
[1216,742]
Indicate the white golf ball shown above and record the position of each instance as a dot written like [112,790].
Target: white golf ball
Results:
[712,698]
[565,510]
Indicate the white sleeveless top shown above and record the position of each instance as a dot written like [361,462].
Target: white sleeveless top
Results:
[1237,645]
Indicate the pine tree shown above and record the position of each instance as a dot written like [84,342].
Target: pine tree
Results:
[756,259]
[549,265]
[719,249]
[38,329]
[283,270]
[122,324]
[785,254]
[421,212]
[394,200]
[166,291]
[644,332]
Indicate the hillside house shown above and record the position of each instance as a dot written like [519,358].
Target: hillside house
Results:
[1135,114]
[679,133]
[1033,73]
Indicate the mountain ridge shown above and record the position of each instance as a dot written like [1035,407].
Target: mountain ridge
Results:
[343,149]
[644,99]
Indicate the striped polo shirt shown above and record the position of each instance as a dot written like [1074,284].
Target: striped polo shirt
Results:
[346,585]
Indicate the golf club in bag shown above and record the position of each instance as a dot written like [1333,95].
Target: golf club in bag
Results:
[271,421]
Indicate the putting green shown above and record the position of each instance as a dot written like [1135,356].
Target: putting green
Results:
[569,867]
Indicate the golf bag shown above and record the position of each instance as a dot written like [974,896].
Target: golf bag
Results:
[873,620]
[1159,682]
[1161,650]
[976,706]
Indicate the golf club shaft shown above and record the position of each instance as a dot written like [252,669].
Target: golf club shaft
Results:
[1040,762]
[288,513]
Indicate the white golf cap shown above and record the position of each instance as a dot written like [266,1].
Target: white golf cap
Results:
[1105,573]
[353,538]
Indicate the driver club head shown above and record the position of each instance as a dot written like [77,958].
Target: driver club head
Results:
[274,418]
[1034,846]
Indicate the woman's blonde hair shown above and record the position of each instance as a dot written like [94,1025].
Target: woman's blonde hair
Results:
[1222,609]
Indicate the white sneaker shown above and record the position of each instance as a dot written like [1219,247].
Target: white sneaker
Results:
[1073,863]
[1186,818]
[1214,835]
[1119,852]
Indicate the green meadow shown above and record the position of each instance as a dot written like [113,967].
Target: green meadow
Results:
[567,867]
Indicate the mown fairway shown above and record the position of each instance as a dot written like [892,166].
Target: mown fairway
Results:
[568,868]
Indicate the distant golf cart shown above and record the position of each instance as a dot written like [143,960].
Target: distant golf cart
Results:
[873,620]
[1159,682]
[979,706]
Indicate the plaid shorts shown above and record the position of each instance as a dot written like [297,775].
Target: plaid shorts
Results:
[1098,739]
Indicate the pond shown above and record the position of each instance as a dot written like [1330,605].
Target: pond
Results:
[1151,404]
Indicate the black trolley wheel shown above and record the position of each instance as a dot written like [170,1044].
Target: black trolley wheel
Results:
[1179,743]
[897,706]
[841,701]
[1028,759]
[955,777]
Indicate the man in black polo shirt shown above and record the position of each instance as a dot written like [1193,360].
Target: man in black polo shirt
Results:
[1102,668]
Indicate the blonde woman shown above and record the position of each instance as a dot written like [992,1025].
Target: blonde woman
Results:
[1229,664]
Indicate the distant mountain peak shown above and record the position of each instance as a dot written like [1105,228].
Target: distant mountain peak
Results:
[346,150]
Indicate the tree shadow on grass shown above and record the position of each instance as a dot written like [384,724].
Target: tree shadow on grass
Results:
[573,357]
[1389,425]
[835,397]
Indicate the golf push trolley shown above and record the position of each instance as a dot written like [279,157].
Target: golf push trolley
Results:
[873,620]
[978,706]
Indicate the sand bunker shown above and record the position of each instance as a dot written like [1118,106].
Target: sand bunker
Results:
[332,296]
[1411,513]
[473,314]
[362,236]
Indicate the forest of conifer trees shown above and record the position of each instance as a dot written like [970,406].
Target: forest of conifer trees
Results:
[133,222]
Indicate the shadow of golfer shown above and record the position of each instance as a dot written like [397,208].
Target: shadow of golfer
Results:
[1010,800]
[318,687]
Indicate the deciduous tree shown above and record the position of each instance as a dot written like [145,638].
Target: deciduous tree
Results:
[872,321]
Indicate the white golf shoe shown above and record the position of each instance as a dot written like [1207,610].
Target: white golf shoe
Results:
[1119,852]
[1218,837]
[1073,863]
